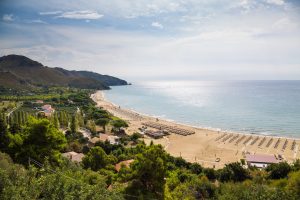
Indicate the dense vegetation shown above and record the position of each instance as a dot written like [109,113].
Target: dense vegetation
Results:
[32,167]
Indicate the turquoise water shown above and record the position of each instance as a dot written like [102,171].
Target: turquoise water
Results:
[261,107]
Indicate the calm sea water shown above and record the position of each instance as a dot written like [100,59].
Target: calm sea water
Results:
[263,107]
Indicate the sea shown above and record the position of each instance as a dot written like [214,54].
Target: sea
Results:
[255,107]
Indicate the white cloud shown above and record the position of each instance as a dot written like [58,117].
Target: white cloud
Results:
[194,37]
[285,25]
[35,21]
[50,13]
[276,2]
[8,17]
[157,25]
[84,14]
[80,14]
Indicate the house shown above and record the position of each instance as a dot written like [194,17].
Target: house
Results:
[111,138]
[75,157]
[93,141]
[260,161]
[47,110]
[47,107]
[125,163]
[104,137]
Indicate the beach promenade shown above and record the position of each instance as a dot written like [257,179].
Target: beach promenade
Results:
[203,145]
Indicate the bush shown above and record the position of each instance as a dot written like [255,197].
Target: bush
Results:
[279,170]
[233,172]
[96,159]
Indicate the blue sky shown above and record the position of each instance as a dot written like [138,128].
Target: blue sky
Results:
[197,39]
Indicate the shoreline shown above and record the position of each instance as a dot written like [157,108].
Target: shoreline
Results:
[204,146]
[200,127]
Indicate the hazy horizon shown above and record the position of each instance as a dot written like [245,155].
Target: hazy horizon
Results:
[144,40]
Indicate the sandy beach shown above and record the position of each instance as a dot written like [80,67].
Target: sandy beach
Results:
[205,146]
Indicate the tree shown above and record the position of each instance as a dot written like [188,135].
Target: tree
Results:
[3,135]
[134,137]
[63,119]
[19,117]
[91,126]
[3,125]
[99,113]
[118,124]
[17,182]
[4,121]
[15,128]
[102,122]
[149,171]
[294,183]
[234,172]
[248,190]
[296,165]
[80,119]
[74,124]
[56,121]
[210,173]
[196,188]
[11,120]
[196,168]
[95,159]
[278,170]
[40,140]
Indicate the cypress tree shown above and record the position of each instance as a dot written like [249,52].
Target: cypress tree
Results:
[19,117]
[26,117]
[74,124]
[3,135]
[2,116]
[10,120]
[80,119]
[14,118]
[65,119]
[56,121]
[3,123]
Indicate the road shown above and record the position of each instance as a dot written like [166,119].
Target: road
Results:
[18,106]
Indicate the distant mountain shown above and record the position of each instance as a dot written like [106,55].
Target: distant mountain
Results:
[21,72]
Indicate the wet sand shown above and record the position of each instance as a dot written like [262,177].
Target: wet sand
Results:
[206,145]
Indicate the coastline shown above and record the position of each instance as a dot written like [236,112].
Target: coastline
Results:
[199,127]
[204,146]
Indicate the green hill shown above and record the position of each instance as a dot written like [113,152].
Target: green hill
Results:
[18,72]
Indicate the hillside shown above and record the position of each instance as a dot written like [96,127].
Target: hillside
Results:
[21,72]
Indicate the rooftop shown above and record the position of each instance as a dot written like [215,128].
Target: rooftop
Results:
[111,138]
[76,157]
[94,140]
[125,163]
[259,158]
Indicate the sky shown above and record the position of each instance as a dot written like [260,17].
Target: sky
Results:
[158,39]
